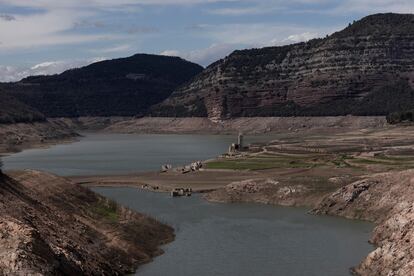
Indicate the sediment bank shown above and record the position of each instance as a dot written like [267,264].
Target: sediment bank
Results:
[16,137]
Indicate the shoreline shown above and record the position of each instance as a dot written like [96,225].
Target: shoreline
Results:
[254,187]
[287,186]
[80,225]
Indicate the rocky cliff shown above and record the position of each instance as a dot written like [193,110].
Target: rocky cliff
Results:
[365,69]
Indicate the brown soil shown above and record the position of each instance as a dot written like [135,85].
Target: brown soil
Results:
[50,226]
[16,137]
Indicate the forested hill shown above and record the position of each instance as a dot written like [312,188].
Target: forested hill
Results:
[118,87]
[14,111]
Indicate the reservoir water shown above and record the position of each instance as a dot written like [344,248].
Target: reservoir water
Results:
[247,239]
[211,239]
[98,154]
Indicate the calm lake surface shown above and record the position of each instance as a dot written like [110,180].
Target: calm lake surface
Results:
[212,239]
[247,239]
[97,154]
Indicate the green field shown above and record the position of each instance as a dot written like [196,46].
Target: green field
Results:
[106,209]
[266,161]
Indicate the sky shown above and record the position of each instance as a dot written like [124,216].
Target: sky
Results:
[50,36]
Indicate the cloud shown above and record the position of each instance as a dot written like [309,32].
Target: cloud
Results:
[263,34]
[204,56]
[7,17]
[44,29]
[12,73]
[295,38]
[341,7]
[115,49]
[65,4]
[230,37]
[142,30]
[171,53]
[375,6]
[241,11]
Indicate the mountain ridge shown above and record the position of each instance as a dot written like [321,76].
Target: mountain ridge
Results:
[117,87]
[365,69]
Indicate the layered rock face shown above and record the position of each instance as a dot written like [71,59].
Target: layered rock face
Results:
[366,69]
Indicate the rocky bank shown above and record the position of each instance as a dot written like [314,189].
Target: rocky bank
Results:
[50,226]
[15,137]
[388,200]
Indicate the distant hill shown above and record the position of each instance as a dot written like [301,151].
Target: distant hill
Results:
[118,87]
[365,69]
[14,111]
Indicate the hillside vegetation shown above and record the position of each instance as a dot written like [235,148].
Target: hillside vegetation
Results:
[14,111]
[119,87]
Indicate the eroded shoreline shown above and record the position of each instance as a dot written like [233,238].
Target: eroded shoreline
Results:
[51,226]
[324,163]
[311,171]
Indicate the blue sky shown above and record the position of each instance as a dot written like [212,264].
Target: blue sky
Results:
[49,36]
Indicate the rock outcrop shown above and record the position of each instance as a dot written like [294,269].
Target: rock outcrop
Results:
[388,200]
[265,191]
[366,69]
[49,226]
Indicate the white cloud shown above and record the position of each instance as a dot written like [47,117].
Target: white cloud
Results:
[64,4]
[259,35]
[43,29]
[171,53]
[12,73]
[115,49]
[204,56]
[295,38]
